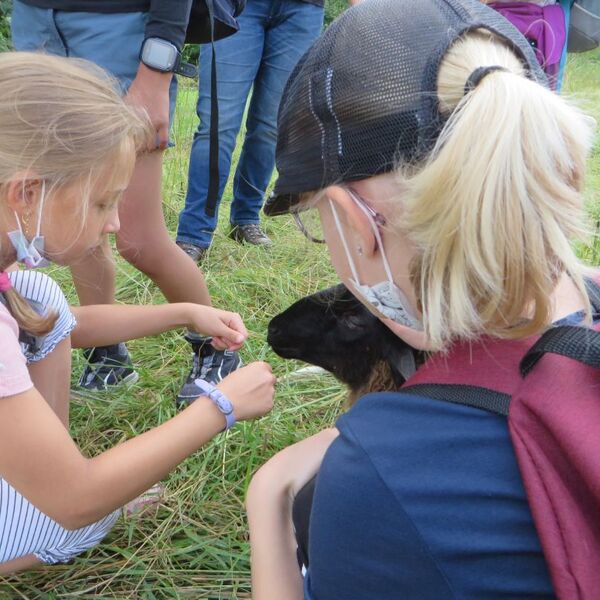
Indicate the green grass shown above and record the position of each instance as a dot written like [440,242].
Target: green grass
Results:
[197,545]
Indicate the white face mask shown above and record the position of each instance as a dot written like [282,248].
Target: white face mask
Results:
[385,298]
[30,253]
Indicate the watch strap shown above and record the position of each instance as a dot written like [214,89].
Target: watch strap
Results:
[185,69]
[219,399]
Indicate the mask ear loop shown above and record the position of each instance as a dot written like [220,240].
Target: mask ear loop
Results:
[39,216]
[338,225]
[386,264]
[375,229]
[18,220]
[40,209]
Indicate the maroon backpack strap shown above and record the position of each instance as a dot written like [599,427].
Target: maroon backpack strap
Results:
[482,374]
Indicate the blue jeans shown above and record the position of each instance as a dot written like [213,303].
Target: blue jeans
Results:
[110,40]
[273,35]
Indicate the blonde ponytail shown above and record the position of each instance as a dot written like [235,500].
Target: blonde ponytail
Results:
[26,318]
[495,208]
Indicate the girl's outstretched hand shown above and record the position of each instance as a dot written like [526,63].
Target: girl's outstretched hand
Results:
[250,389]
[226,328]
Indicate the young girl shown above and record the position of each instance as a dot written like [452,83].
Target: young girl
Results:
[68,145]
[447,178]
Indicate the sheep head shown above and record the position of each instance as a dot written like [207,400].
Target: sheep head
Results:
[333,330]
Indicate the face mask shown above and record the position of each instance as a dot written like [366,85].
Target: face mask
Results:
[30,253]
[385,299]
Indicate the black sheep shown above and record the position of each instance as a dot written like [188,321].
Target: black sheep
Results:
[333,330]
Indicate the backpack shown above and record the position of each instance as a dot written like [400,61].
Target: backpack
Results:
[584,29]
[545,27]
[222,14]
[549,390]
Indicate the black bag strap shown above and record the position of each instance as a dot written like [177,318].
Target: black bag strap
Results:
[467,395]
[578,343]
[593,290]
[213,152]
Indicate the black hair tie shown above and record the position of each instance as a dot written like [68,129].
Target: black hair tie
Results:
[478,74]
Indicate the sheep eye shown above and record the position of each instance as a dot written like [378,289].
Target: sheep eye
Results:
[353,321]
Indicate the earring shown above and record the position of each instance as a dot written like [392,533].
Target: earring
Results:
[359,250]
[25,219]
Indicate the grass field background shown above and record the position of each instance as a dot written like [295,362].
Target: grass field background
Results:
[197,545]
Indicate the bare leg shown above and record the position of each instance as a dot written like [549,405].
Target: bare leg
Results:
[94,277]
[145,242]
[52,377]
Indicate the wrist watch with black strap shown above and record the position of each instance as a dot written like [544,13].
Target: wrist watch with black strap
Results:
[163,56]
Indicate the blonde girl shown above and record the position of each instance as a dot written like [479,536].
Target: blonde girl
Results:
[68,145]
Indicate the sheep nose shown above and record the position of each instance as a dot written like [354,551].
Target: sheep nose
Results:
[273,332]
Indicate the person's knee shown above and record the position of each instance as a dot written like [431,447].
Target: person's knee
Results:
[263,127]
[147,254]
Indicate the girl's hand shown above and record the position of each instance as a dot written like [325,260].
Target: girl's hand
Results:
[250,389]
[226,328]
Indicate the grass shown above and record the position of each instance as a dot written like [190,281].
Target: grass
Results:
[197,545]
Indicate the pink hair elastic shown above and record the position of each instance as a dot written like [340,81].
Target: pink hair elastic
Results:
[5,283]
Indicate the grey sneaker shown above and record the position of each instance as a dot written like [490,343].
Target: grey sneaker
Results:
[209,364]
[108,366]
[250,234]
[196,253]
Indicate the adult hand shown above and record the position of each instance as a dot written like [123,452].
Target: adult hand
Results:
[226,328]
[150,92]
[250,389]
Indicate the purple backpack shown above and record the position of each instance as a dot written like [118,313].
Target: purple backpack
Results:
[545,29]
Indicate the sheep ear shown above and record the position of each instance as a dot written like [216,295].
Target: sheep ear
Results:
[402,360]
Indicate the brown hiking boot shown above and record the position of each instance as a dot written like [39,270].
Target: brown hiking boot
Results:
[196,253]
[250,234]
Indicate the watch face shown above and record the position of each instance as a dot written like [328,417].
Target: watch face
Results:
[159,54]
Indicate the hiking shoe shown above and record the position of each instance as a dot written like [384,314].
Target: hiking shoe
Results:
[209,364]
[196,253]
[251,234]
[108,366]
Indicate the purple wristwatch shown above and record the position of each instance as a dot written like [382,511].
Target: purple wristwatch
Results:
[221,401]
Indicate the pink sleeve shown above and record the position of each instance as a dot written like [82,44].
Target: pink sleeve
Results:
[14,376]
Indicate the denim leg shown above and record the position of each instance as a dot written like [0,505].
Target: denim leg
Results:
[292,29]
[238,59]
[33,29]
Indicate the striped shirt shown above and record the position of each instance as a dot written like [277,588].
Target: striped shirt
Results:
[24,529]
[43,294]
